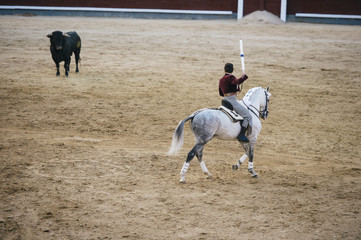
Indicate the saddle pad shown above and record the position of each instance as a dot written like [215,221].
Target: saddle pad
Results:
[235,117]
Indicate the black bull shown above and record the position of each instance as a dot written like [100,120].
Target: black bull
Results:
[62,46]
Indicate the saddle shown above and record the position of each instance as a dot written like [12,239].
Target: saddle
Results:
[227,108]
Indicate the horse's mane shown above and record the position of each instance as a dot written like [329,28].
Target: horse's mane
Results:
[247,97]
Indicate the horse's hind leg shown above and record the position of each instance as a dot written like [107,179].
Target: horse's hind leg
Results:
[195,151]
[183,172]
[199,155]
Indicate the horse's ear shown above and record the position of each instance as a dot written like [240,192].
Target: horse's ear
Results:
[267,88]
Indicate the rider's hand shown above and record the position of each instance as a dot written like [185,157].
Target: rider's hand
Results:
[244,77]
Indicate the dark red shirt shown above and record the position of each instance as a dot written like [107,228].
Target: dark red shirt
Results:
[230,84]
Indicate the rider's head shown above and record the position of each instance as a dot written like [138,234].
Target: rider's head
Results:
[228,68]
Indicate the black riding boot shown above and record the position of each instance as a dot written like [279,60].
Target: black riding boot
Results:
[242,137]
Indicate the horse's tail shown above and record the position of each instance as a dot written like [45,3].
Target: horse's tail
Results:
[177,140]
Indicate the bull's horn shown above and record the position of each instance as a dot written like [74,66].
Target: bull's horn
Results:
[66,35]
[49,35]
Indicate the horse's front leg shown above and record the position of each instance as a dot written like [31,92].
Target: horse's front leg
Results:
[239,163]
[250,160]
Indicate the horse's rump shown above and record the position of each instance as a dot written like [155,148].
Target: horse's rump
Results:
[214,123]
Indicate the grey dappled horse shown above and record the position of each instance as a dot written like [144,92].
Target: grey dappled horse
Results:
[209,123]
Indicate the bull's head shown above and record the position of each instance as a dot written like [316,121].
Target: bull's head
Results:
[56,39]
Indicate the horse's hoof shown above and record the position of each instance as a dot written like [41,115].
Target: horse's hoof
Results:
[254,174]
[234,167]
[210,177]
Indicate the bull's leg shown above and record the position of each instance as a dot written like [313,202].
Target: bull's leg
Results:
[57,69]
[77,58]
[66,66]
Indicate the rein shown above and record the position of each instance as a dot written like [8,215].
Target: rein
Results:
[248,107]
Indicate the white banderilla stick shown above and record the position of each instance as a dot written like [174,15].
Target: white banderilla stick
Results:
[242,55]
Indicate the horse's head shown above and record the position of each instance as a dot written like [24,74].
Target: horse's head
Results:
[264,107]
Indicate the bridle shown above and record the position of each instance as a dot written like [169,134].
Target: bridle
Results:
[264,113]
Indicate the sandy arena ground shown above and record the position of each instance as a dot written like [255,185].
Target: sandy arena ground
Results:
[84,157]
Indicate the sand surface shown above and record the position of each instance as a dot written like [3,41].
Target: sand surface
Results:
[84,157]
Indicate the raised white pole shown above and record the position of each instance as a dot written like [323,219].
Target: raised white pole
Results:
[240,10]
[283,10]
[242,55]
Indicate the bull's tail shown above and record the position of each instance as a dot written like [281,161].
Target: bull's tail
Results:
[177,140]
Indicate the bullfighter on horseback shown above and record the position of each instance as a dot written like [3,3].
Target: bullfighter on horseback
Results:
[228,88]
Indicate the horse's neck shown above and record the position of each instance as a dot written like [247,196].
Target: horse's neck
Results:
[253,100]
[256,102]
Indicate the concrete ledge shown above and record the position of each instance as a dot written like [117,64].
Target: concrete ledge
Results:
[116,12]
[335,16]
[325,18]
